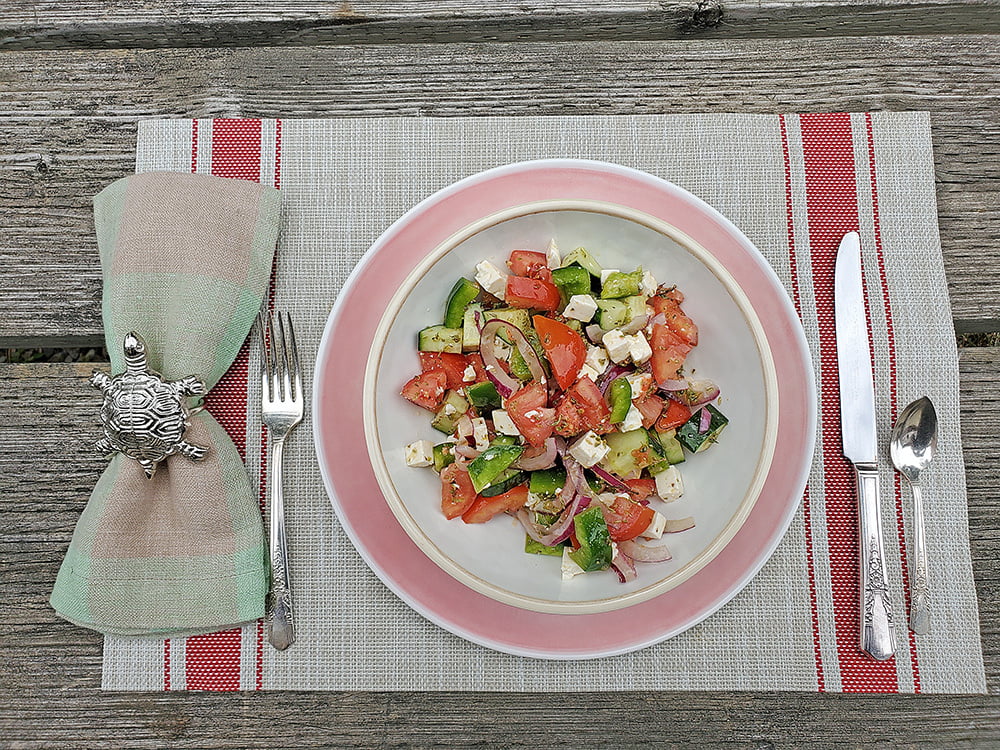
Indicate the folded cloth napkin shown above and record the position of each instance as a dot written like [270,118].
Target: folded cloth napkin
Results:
[186,261]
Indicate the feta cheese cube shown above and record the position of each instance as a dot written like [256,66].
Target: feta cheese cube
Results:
[469,375]
[597,358]
[503,424]
[632,421]
[669,485]
[569,566]
[589,449]
[618,345]
[552,259]
[589,372]
[647,285]
[420,453]
[581,307]
[638,348]
[656,526]
[640,382]
[491,278]
[607,272]
[480,434]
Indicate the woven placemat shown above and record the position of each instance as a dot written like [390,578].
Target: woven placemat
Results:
[789,182]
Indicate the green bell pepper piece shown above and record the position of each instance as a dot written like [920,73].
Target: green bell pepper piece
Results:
[537,548]
[483,395]
[491,463]
[464,291]
[545,482]
[595,540]
[620,396]
[619,285]
[571,280]
[443,455]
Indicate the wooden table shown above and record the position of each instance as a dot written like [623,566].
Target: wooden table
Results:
[76,76]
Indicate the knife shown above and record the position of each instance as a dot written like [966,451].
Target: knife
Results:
[857,422]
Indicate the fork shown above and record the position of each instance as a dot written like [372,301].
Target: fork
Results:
[282,405]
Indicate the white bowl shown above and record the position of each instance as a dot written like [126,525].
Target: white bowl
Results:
[721,485]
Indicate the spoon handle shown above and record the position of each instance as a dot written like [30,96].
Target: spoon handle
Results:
[920,613]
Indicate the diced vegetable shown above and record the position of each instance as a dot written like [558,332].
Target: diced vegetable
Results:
[443,456]
[440,339]
[476,317]
[484,508]
[537,548]
[618,285]
[545,482]
[507,480]
[630,453]
[581,257]
[464,292]
[570,280]
[692,437]
[457,494]
[620,396]
[427,389]
[595,540]
[453,365]
[483,395]
[527,263]
[491,463]
[453,407]
[563,347]
[671,446]
[535,294]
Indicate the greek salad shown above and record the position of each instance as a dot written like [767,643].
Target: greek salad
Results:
[560,392]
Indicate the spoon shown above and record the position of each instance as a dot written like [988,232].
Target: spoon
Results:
[914,438]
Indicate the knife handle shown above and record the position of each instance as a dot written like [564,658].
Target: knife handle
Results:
[877,637]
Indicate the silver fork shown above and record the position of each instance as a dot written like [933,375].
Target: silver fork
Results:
[282,405]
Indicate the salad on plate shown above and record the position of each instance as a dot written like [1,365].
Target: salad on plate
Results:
[560,391]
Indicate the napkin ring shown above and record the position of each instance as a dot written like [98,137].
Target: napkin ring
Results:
[144,416]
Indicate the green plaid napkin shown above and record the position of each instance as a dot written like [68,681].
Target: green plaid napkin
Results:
[186,261]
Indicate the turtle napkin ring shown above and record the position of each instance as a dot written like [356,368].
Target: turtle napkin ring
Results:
[144,416]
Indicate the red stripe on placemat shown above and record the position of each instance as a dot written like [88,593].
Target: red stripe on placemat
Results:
[893,401]
[832,209]
[212,661]
[806,510]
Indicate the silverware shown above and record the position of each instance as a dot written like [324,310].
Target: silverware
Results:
[857,421]
[282,406]
[914,439]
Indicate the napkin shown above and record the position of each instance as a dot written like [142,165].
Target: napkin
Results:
[186,261]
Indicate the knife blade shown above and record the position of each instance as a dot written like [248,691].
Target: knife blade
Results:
[857,422]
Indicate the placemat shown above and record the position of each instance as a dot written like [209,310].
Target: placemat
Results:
[789,182]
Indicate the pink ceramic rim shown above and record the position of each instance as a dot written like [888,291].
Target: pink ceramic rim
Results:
[338,421]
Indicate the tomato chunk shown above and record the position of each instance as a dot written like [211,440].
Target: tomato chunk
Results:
[650,408]
[536,294]
[669,303]
[457,493]
[527,410]
[426,389]
[627,519]
[583,408]
[673,416]
[641,488]
[563,347]
[453,366]
[527,263]
[485,508]
[669,353]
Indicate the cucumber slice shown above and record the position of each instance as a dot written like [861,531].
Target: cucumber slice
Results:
[454,406]
[581,257]
[442,456]
[470,331]
[464,292]
[537,548]
[695,441]
[612,313]
[619,285]
[440,339]
[508,480]
[620,396]
[630,453]
[671,447]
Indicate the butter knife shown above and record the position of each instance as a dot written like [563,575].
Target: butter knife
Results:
[857,422]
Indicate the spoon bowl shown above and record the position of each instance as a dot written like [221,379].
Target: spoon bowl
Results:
[912,446]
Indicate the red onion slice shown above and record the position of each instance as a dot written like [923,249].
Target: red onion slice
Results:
[595,333]
[644,552]
[635,325]
[610,478]
[700,392]
[624,567]
[673,525]
[613,371]
[704,421]
[466,451]
[534,459]
[528,353]
[673,385]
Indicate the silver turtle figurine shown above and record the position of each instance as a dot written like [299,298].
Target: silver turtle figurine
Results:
[144,416]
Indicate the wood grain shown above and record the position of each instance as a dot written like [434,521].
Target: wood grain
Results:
[69,128]
[49,684]
[92,24]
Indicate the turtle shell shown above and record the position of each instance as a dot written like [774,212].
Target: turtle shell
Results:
[143,416]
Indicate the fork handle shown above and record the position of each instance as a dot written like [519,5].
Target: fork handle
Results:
[279,613]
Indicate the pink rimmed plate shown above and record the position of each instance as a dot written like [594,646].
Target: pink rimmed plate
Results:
[356,494]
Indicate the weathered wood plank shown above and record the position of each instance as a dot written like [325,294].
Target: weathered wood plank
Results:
[69,128]
[49,683]
[53,24]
